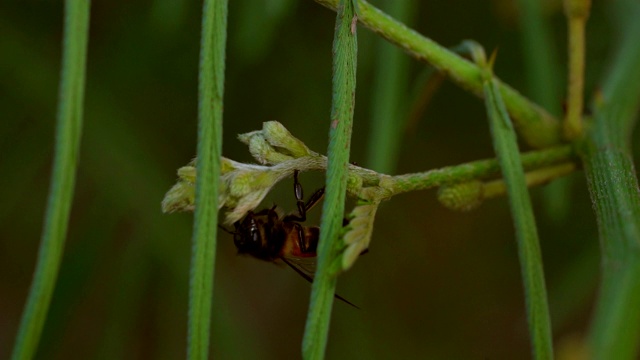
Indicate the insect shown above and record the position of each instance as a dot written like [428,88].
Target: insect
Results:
[267,236]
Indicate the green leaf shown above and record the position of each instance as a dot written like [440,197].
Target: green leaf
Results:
[506,148]
[613,185]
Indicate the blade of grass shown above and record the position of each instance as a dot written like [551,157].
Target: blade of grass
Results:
[506,148]
[389,106]
[68,131]
[535,124]
[343,103]
[211,91]
[613,185]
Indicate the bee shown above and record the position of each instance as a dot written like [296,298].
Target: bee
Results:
[267,236]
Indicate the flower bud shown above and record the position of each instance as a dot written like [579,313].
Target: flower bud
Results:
[462,197]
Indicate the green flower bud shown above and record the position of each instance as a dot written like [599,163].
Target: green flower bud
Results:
[462,197]
[181,197]
[280,138]
[265,153]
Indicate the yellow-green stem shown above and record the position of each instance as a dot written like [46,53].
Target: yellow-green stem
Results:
[577,12]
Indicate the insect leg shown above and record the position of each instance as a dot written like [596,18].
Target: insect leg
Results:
[301,238]
[302,206]
[297,191]
[313,200]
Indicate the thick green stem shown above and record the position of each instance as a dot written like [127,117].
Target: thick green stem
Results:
[611,176]
[613,184]
[68,130]
[211,91]
[343,103]
[536,125]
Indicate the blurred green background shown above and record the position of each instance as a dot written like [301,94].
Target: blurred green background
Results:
[435,284]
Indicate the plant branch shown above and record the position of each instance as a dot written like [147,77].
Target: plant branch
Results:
[469,195]
[577,12]
[534,124]
[245,185]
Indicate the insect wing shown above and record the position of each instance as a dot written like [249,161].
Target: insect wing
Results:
[305,267]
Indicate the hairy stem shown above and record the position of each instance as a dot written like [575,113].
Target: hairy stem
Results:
[343,103]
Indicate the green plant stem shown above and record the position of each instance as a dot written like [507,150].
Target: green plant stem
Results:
[388,107]
[211,91]
[613,185]
[343,103]
[68,131]
[577,12]
[475,170]
[506,147]
[536,125]
[537,177]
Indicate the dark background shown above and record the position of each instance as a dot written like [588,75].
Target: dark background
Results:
[435,284]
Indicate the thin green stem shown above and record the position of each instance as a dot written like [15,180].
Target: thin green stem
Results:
[535,124]
[211,91]
[613,185]
[68,131]
[506,147]
[533,178]
[471,194]
[343,103]
[577,12]
[475,170]
[388,106]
